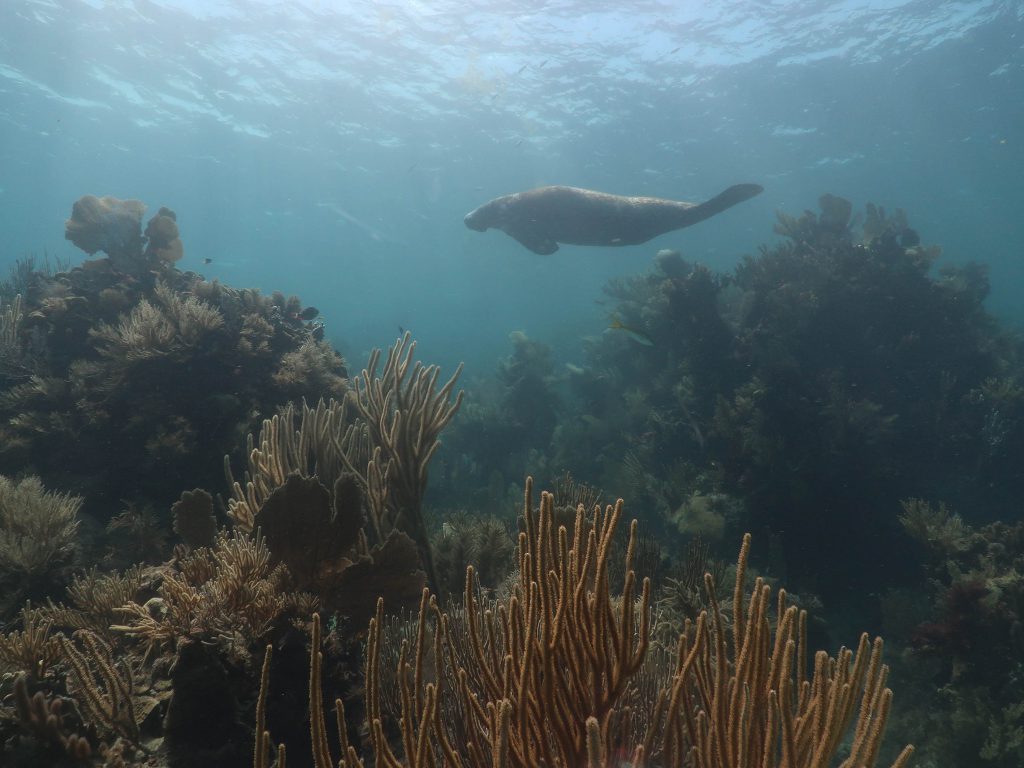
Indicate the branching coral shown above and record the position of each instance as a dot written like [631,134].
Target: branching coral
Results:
[963,662]
[681,597]
[938,528]
[32,649]
[136,534]
[320,441]
[37,527]
[168,327]
[384,434]
[544,640]
[255,336]
[144,333]
[10,324]
[103,687]
[94,600]
[756,705]
[229,594]
[471,539]
[404,411]
[543,679]
[43,716]
[311,367]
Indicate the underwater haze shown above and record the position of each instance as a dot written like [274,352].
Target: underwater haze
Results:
[735,276]
[331,149]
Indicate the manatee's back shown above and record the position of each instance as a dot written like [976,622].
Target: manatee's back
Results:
[577,216]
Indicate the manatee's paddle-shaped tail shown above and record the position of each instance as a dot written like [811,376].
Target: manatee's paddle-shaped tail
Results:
[733,195]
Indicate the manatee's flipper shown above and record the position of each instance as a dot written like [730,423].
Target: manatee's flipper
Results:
[733,195]
[538,245]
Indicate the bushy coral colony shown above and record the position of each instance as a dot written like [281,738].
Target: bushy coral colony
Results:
[218,549]
[126,375]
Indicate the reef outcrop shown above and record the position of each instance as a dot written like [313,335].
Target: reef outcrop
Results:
[124,375]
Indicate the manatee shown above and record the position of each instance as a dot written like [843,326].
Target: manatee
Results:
[542,218]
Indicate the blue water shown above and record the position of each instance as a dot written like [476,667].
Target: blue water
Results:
[331,149]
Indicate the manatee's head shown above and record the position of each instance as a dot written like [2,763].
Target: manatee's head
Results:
[487,216]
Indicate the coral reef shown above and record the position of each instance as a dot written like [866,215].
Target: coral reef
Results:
[103,686]
[855,357]
[37,527]
[123,375]
[384,435]
[38,536]
[311,367]
[799,396]
[96,601]
[229,594]
[468,538]
[32,649]
[401,414]
[43,717]
[119,379]
[506,424]
[964,639]
[11,316]
[550,678]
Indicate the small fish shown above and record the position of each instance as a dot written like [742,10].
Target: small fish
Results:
[401,331]
[521,69]
[309,313]
[207,260]
[543,63]
[638,336]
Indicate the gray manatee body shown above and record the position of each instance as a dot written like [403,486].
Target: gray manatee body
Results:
[542,218]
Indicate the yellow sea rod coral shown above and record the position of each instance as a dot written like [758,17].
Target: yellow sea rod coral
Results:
[551,675]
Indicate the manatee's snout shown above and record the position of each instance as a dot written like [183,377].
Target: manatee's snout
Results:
[475,221]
